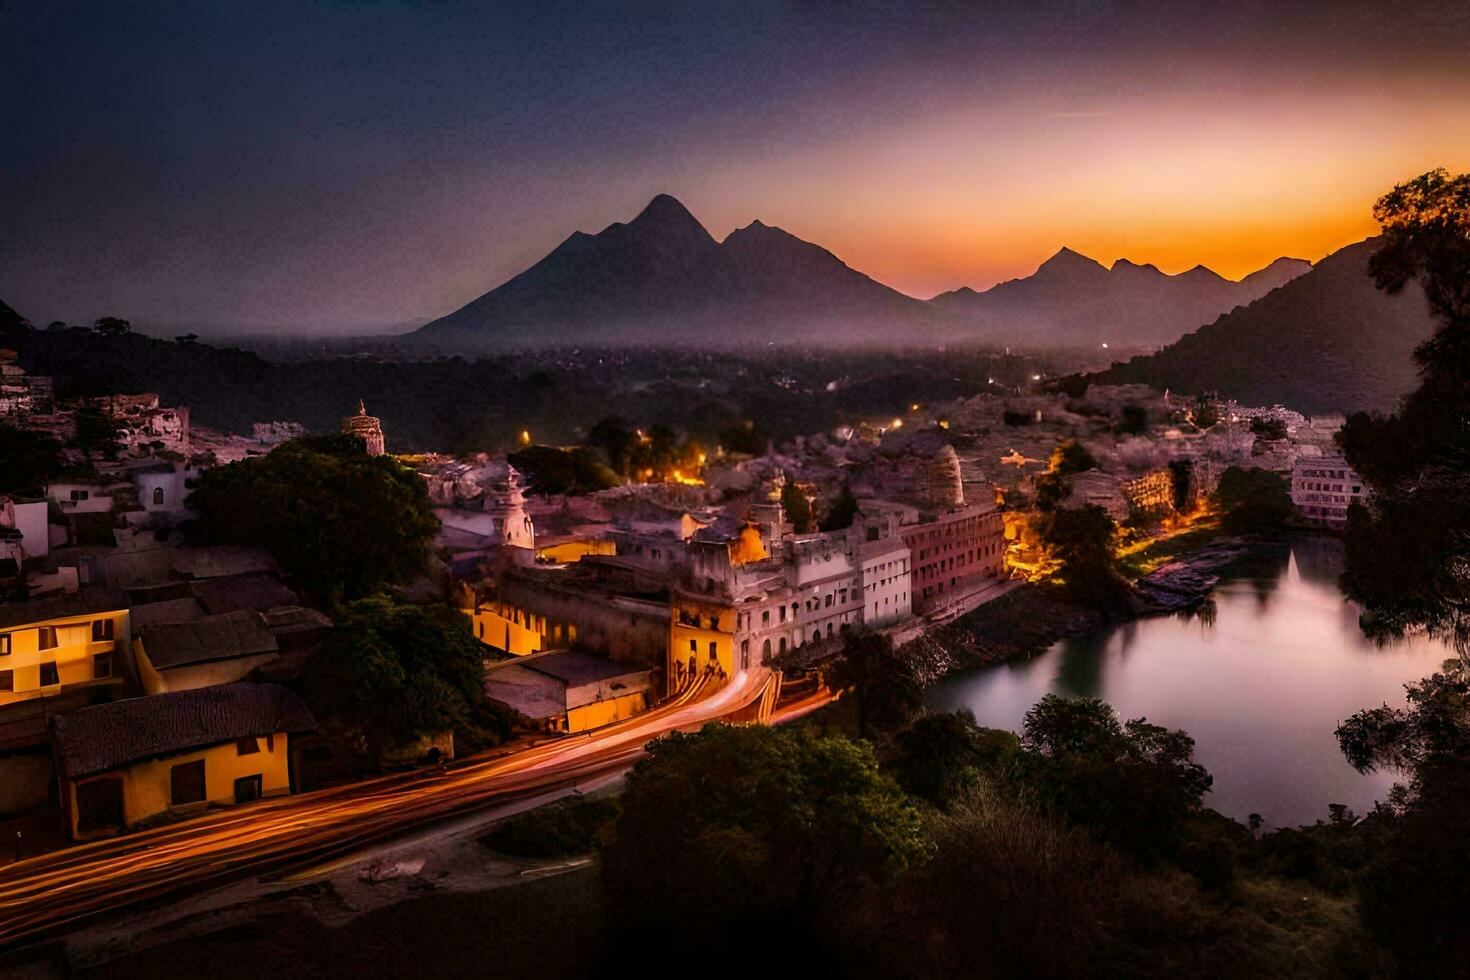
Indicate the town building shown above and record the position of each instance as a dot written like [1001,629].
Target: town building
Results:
[63,644]
[570,691]
[204,652]
[955,552]
[130,761]
[1323,488]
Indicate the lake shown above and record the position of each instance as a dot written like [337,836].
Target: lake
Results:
[1260,678]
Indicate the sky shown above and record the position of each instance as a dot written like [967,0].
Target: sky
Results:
[340,167]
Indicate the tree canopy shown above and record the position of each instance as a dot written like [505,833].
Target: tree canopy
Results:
[1253,499]
[393,672]
[1133,784]
[341,523]
[1408,550]
[28,460]
[880,677]
[1082,540]
[754,824]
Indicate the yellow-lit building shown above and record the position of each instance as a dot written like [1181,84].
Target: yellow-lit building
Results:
[570,691]
[48,646]
[123,763]
[517,631]
[566,552]
[701,634]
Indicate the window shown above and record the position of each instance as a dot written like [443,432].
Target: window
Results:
[186,783]
[247,746]
[158,496]
[102,629]
[5,644]
[78,495]
[102,665]
[49,677]
[46,638]
[693,646]
[766,617]
[713,650]
[7,680]
[247,789]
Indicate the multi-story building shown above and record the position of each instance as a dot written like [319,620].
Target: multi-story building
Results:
[50,646]
[1323,488]
[954,551]
[883,568]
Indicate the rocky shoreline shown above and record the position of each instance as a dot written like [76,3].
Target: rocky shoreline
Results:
[1026,622]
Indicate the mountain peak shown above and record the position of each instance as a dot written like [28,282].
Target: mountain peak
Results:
[665,209]
[1068,262]
[1129,266]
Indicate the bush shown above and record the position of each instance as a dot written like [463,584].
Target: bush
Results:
[562,829]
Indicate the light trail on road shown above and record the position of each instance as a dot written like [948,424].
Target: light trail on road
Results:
[41,895]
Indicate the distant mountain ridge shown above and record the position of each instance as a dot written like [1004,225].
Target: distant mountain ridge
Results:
[662,278]
[1327,341]
[1075,301]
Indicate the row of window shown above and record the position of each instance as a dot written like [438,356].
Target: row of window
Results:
[46,638]
[102,666]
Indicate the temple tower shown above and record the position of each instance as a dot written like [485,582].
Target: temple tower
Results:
[363,426]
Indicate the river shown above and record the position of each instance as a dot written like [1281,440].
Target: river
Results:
[1260,678]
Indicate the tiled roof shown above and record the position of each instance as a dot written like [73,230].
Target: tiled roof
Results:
[224,637]
[107,736]
[77,604]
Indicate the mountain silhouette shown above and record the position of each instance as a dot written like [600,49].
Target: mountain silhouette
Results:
[662,279]
[1074,301]
[1326,341]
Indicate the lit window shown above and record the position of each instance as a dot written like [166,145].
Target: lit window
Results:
[46,638]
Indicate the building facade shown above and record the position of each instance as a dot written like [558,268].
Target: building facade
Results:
[1323,488]
[955,552]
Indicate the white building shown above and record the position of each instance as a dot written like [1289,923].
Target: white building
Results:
[1323,488]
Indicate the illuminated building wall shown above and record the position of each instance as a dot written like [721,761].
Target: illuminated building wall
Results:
[955,551]
[51,645]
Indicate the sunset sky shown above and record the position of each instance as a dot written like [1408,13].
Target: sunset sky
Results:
[356,165]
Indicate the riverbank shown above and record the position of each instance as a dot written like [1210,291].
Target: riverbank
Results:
[1028,621]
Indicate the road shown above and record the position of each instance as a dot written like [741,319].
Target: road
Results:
[41,896]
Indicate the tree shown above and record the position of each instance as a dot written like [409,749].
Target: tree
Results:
[840,515]
[942,756]
[1134,785]
[96,433]
[555,470]
[1134,420]
[729,830]
[617,442]
[880,677]
[1265,428]
[1425,857]
[1408,550]
[112,326]
[393,672]
[28,461]
[1081,540]
[1067,458]
[342,524]
[1253,499]
[796,507]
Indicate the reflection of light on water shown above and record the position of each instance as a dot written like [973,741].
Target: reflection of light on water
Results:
[1261,688]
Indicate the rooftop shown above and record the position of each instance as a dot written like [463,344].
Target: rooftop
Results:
[107,736]
[82,603]
[229,635]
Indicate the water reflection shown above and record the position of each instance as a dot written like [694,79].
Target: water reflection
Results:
[1260,676]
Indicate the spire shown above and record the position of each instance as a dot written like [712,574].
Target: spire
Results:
[361,407]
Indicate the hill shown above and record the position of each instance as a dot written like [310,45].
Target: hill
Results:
[661,279]
[1075,301]
[1327,341]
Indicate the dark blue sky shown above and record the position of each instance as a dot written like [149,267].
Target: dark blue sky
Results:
[333,166]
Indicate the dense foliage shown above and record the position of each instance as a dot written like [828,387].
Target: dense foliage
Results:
[880,678]
[1408,551]
[732,832]
[1082,540]
[342,524]
[28,461]
[1253,499]
[1135,785]
[393,672]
